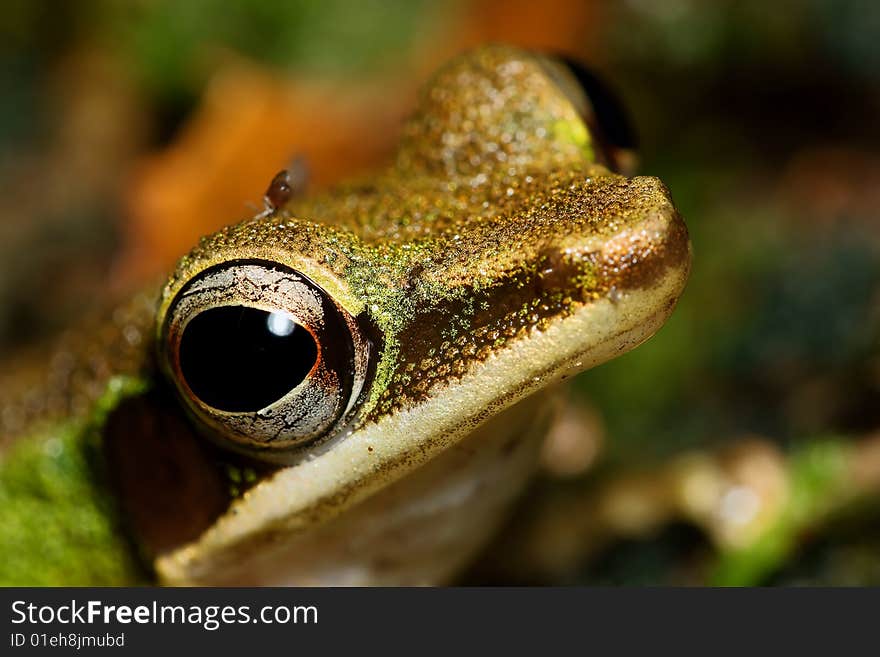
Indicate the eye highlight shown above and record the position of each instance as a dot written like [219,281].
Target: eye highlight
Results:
[263,358]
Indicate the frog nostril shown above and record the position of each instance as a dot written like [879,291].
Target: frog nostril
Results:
[241,359]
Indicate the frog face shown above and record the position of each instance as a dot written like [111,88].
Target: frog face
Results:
[355,335]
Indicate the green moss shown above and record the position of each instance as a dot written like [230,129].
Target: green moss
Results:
[58,524]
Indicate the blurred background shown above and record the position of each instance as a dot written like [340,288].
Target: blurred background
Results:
[736,447]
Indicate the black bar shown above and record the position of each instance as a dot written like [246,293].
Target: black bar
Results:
[537,620]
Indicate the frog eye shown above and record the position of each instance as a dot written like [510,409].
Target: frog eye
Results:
[602,111]
[263,357]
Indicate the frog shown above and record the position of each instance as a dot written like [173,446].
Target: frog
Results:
[350,387]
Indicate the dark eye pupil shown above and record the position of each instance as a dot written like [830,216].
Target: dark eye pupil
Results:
[240,359]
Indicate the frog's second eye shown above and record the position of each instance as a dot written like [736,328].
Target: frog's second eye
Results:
[605,116]
[263,357]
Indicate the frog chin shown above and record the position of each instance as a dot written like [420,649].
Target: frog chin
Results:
[369,459]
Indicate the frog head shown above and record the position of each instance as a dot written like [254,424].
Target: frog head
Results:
[355,335]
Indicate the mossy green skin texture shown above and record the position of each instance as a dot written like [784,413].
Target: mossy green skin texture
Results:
[59,517]
[59,524]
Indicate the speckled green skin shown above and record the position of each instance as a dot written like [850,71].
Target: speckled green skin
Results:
[492,224]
